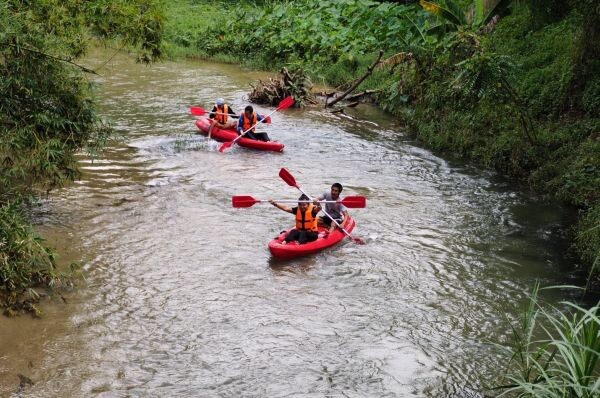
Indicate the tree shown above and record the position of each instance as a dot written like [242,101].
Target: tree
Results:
[46,110]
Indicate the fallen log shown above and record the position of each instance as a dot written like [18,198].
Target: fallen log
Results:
[357,96]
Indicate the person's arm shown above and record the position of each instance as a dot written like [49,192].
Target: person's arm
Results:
[231,112]
[240,126]
[263,119]
[212,113]
[316,208]
[345,218]
[282,207]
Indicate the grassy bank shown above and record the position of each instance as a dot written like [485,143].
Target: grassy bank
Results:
[515,94]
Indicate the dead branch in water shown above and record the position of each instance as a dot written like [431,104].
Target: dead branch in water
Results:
[294,83]
[358,82]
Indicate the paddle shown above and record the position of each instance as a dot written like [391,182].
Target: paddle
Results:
[354,202]
[291,181]
[199,111]
[284,104]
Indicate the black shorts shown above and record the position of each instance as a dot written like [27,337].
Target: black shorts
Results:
[327,220]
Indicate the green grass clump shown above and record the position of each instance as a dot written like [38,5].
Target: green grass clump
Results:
[562,361]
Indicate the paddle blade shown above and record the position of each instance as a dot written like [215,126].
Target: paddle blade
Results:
[242,201]
[286,103]
[354,202]
[268,120]
[225,146]
[197,111]
[358,241]
[287,177]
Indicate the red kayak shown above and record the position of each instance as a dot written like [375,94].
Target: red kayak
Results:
[226,135]
[294,249]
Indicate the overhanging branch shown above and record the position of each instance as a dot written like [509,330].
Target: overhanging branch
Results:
[83,68]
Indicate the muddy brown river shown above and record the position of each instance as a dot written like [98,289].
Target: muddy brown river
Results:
[182,298]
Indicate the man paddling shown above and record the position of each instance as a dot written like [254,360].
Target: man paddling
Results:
[249,119]
[306,220]
[336,210]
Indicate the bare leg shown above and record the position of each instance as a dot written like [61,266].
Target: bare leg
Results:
[212,124]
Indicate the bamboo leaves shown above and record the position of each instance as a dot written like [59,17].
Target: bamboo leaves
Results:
[47,114]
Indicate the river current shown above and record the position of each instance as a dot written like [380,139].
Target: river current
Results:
[182,298]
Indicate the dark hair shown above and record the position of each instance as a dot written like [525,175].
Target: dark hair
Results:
[249,109]
[338,186]
[303,197]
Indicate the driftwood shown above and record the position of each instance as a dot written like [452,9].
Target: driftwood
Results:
[295,83]
[358,82]
[357,96]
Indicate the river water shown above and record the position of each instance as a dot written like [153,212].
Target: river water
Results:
[182,298]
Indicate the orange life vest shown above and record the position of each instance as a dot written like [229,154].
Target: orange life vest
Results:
[249,122]
[306,221]
[221,115]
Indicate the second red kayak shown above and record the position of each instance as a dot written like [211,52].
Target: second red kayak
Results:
[294,249]
[226,135]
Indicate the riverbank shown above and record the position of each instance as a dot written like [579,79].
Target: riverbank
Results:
[515,94]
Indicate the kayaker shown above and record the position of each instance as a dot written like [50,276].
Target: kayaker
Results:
[306,220]
[222,116]
[249,119]
[336,210]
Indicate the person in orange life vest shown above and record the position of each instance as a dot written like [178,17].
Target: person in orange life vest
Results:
[338,211]
[248,119]
[222,116]
[306,220]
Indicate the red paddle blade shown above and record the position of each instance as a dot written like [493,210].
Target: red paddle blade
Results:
[268,120]
[243,201]
[354,202]
[286,103]
[358,241]
[287,177]
[197,111]
[225,146]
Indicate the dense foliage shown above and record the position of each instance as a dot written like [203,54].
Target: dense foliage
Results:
[554,354]
[47,112]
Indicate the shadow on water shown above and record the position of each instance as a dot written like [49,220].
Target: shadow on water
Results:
[301,264]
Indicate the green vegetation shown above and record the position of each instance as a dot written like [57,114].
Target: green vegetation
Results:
[513,87]
[47,115]
[563,361]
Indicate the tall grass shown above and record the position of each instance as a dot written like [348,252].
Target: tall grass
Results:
[562,361]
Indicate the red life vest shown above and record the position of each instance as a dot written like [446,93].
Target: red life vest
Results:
[249,122]
[306,221]
[221,115]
